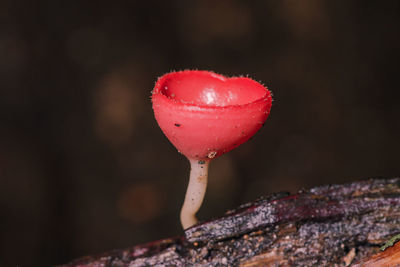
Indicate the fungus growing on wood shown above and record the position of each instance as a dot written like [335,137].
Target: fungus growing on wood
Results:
[205,115]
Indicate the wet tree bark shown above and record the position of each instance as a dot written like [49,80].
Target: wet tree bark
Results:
[329,225]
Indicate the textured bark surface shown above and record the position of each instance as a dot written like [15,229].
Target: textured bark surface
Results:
[388,258]
[324,226]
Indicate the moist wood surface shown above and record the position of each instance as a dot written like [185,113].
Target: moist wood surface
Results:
[324,226]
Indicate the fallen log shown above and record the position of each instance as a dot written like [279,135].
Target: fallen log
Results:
[324,226]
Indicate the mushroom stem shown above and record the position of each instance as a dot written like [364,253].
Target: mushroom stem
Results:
[195,192]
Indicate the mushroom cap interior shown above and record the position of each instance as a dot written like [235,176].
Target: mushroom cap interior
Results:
[210,89]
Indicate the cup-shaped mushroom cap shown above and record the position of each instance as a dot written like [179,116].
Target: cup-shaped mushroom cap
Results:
[205,115]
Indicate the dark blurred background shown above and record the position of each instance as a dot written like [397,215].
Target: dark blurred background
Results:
[84,167]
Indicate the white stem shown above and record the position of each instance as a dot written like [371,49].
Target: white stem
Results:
[195,192]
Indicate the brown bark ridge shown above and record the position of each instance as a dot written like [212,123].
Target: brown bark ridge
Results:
[388,258]
[332,225]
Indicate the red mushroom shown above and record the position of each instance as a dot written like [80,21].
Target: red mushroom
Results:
[205,115]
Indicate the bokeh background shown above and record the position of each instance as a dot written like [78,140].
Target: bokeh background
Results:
[84,167]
